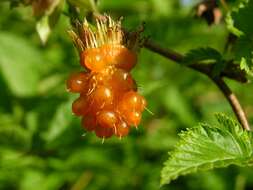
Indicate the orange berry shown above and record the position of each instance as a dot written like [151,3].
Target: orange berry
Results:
[107,119]
[102,78]
[132,101]
[122,81]
[82,59]
[103,132]
[80,106]
[131,82]
[93,59]
[119,56]
[77,82]
[126,59]
[110,52]
[89,123]
[132,118]
[122,129]
[102,97]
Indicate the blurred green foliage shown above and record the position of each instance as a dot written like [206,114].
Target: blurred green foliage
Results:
[42,145]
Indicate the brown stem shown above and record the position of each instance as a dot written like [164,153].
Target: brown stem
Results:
[207,70]
[170,54]
[234,102]
[232,71]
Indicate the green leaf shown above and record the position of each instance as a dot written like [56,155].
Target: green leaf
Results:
[47,22]
[14,137]
[60,122]
[244,66]
[230,26]
[202,55]
[243,50]
[218,68]
[85,8]
[81,3]
[35,178]
[239,22]
[205,147]
[20,64]
[243,18]
[175,103]
[236,4]
[43,28]
[13,3]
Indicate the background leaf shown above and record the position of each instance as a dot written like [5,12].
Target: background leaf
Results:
[239,23]
[202,54]
[21,64]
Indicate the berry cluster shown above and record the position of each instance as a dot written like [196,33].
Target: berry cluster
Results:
[108,103]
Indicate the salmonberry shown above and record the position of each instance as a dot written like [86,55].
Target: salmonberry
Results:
[80,106]
[132,101]
[109,102]
[132,118]
[102,97]
[107,119]
[126,59]
[89,123]
[77,82]
[119,56]
[122,81]
[103,132]
[122,129]
[93,59]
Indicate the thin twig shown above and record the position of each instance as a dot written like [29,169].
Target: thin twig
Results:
[170,54]
[234,102]
[232,71]
[207,70]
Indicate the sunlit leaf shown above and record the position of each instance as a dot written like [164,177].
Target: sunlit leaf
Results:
[206,147]
[43,28]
